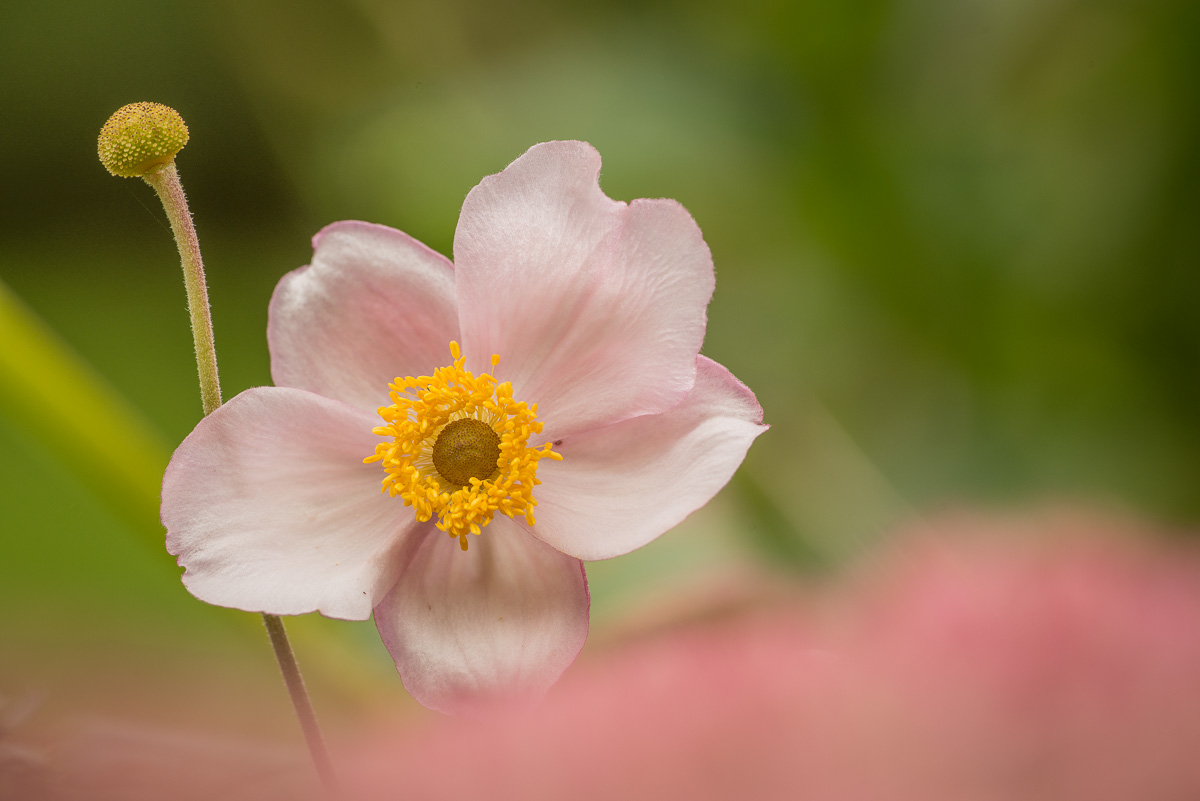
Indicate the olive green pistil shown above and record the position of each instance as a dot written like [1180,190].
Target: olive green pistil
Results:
[466,449]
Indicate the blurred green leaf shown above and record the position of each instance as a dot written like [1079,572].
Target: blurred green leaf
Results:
[77,415]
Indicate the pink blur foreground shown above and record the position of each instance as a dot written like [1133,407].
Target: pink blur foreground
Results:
[1048,658]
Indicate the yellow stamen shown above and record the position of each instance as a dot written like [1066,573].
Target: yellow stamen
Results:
[421,409]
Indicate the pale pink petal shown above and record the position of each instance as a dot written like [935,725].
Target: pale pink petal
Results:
[270,508]
[596,308]
[504,618]
[374,304]
[618,488]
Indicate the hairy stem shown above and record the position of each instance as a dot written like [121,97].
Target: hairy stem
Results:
[170,191]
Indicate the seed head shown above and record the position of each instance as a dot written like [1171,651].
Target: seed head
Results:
[141,138]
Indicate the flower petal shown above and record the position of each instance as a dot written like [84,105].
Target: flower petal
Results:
[269,507]
[506,617]
[597,308]
[373,305]
[618,488]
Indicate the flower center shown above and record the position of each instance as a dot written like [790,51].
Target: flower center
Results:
[466,449]
[458,448]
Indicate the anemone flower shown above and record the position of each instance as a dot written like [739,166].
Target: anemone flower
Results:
[554,364]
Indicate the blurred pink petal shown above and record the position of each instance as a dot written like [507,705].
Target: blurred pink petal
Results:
[1042,659]
[1052,658]
[111,761]
[1039,660]
[710,713]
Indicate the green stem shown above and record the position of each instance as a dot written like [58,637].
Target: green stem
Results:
[170,191]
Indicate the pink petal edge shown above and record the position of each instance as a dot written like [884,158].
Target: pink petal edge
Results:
[269,508]
[374,304]
[620,487]
[597,308]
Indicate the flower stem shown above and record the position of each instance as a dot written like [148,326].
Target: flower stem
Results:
[300,700]
[170,191]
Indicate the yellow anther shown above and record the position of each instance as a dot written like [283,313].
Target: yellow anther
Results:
[483,465]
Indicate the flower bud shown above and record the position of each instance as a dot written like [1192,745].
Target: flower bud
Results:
[140,138]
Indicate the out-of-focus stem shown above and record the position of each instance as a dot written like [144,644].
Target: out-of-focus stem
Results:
[304,710]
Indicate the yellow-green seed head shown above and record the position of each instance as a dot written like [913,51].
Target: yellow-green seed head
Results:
[141,138]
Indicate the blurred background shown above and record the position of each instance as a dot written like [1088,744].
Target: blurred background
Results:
[956,248]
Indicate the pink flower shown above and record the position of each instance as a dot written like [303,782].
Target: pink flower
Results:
[580,320]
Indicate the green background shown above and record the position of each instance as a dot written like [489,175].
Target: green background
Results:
[956,248]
